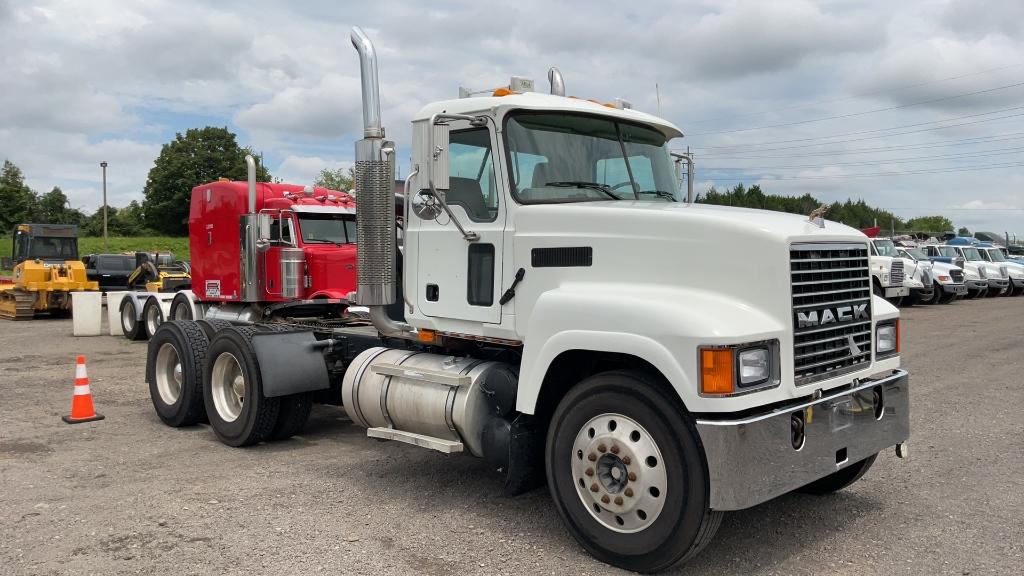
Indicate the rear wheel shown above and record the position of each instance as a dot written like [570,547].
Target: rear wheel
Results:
[174,370]
[626,473]
[836,481]
[130,324]
[152,315]
[233,390]
[295,408]
[181,307]
[211,327]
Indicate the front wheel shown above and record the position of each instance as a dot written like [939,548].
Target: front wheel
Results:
[626,473]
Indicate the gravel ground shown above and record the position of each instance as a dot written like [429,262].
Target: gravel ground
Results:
[129,495]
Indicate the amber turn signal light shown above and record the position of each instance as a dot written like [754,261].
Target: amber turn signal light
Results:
[716,371]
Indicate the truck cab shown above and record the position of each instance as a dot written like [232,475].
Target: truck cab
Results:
[887,271]
[917,277]
[948,279]
[1014,270]
[975,274]
[996,276]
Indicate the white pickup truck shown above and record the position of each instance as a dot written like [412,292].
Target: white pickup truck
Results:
[887,271]
[1014,270]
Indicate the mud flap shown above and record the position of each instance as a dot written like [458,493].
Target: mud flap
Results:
[290,363]
[516,449]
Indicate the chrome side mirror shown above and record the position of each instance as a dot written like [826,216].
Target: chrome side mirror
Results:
[426,206]
[440,139]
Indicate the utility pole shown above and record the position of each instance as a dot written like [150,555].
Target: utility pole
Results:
[104,166]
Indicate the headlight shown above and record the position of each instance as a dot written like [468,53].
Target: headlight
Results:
[885,278]
[755,366]
[944,279]
[887,338]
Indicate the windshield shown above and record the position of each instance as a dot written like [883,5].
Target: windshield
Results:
[917,253]
[948,251]
[576,158]
[53,248]
[995,255]
[327,228]
[972,255]
[885,248]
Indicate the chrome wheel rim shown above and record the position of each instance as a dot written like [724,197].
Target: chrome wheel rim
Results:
[127,318]
[168,374]
[152,319]
[181,312]
[619,473]
[227,385]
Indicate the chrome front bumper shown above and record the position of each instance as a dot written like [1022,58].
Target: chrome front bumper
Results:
[897,291]
[998,283]
[958,289]
[977,284]
[752,460]
[1017,282]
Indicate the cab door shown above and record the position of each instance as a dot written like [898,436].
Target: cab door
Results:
[456,278]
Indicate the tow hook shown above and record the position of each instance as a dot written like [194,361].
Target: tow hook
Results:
[902,450]
[797,430]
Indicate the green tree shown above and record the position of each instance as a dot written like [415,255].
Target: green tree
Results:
[340,179]
[53,208]
[200,155]
[963,231]
[929,224]
[16,198]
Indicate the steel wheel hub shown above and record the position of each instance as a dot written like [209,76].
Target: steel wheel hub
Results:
[168,374]
[227,385]
[619,473]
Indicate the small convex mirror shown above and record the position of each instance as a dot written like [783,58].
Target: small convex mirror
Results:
[426,206]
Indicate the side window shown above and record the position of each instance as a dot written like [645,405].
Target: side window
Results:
[471,169]
[281,231]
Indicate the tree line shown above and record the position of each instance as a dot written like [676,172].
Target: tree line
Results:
[855,213]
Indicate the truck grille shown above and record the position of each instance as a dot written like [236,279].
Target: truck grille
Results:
[957,276]
[831,309]
[896,274]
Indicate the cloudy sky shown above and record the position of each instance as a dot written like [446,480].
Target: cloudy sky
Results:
[914,106]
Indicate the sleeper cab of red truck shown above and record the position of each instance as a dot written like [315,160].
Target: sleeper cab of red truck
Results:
[318,221]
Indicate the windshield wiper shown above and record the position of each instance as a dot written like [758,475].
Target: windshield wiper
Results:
[661,194]
[584,184]
[320,241]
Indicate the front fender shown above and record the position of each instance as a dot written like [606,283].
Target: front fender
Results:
[662,325]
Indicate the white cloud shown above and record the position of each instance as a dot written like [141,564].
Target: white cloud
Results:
[305,169]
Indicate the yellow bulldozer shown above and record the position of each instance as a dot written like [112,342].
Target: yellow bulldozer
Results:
[46,271]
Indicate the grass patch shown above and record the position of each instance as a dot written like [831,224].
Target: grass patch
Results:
[118,244]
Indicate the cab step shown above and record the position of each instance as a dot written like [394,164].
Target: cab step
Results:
[439,444]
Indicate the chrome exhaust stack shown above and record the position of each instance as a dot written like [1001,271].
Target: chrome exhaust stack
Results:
[250,238]
[557,84]
[375,226]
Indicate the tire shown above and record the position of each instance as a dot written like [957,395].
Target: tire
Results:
[910,300]
[174,370]
[152,316]
[897,301]
[233,390]
[292,416]
[836,481]
[131,326]
[211,327]
[181,307]
[876,289]
[672,486]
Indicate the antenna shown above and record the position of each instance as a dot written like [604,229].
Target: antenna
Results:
[657,94]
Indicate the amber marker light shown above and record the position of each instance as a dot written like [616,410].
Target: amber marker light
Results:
[716,371]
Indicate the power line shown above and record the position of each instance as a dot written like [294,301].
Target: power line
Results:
[932,158]
[873,174]
[862,113]
[854,97]
[876,149]
[875,131]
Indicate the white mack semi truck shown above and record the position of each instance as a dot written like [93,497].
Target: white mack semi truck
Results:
[542,313]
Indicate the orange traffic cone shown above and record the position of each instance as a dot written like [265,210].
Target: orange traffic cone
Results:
[81,403]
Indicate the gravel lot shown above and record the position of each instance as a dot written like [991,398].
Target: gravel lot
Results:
[129,495]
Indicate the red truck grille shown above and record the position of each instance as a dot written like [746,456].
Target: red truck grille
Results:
[831,309]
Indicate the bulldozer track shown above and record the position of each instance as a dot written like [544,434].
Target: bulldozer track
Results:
[17,304]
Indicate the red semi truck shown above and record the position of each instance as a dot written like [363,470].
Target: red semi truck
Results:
[259,251]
